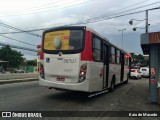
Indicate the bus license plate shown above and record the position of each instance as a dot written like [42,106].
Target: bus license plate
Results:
[61,79]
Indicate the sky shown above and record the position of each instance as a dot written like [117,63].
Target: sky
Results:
[107,17]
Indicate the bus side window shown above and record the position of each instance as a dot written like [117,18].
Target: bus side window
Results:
[118,57]
[112,54]
[97,49]
[126,62]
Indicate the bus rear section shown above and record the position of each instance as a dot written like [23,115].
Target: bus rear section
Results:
[62,67]
[79,59]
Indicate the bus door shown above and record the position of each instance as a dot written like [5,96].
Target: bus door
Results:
[122,66]
[106,65]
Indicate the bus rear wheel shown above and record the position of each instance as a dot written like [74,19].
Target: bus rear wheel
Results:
[126,82]
[112,87]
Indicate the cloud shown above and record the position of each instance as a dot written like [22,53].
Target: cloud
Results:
[72,13]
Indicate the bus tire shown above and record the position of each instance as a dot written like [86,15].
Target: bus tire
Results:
[126,82]
[127,79]
[112,84]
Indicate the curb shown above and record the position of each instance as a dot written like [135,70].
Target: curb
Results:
[17,80]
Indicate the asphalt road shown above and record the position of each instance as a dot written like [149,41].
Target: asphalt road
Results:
[8,76]
[29,96]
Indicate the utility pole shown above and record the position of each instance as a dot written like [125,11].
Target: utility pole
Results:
[122,37]
[146,21]
[153,58]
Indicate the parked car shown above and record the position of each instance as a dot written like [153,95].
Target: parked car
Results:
[144,71]
[2,70]
[136,67]
[19,71]
[135,73]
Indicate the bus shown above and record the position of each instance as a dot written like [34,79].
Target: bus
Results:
[77,58]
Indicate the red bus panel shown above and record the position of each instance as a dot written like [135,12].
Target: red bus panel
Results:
[86,55]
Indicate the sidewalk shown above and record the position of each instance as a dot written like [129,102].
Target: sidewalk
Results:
[137,99]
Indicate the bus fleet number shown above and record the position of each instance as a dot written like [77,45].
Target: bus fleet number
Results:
[69,60]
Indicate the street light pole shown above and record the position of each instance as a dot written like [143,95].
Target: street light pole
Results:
[122,37]
[131,22]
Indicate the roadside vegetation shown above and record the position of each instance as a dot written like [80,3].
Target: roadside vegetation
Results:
[13,60]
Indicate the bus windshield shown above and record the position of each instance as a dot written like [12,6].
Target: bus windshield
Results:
[63,40]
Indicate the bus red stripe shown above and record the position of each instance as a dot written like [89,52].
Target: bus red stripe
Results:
[87,52]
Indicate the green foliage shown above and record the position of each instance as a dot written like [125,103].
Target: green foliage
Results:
[13,57]
[31,62]
[138,57]
[133,55]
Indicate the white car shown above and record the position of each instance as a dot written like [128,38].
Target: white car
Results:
[144,71]
[135,73]
[19,71]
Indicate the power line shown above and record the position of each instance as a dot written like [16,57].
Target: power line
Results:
[48,10]
[33,8]
[138,7]
[17,40]
[78,22]
[119,9]
[78,4]
[155,22]
[15,28]
[24,31]
[84,22]
[107,18]
[55,5]
[107,15]
[92,20]
[18,29]
[18,47]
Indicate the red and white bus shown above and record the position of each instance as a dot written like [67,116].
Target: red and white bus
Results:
[79,59]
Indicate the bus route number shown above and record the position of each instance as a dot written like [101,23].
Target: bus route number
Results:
[69,60]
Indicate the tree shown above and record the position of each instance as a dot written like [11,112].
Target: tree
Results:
[13,57]
[139,59]
[32,62]
[133,55]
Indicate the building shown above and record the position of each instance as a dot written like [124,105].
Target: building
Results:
[150,44]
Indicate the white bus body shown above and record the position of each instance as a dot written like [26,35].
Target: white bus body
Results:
[79,71]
